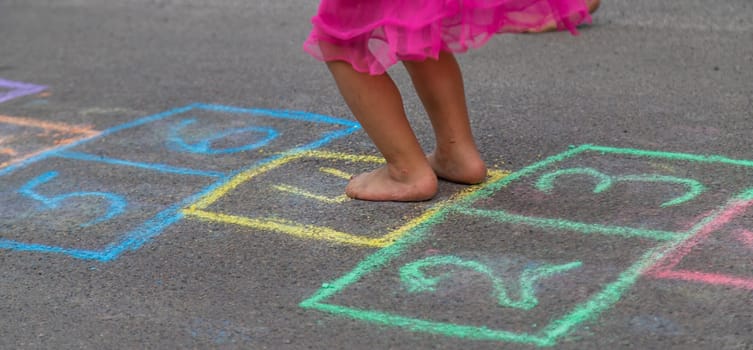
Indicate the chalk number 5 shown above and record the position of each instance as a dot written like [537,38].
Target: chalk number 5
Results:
[116,202]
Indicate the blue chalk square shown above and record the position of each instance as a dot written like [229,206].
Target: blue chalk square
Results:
[213,139]
[89,210]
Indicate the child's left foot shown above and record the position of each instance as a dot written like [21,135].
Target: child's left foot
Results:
[390,184]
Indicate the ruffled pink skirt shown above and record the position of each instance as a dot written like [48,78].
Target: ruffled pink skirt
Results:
[373,35]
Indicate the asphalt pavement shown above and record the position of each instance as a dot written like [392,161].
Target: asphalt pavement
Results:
[172,174]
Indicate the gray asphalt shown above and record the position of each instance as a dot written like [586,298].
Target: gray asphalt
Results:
[167,180]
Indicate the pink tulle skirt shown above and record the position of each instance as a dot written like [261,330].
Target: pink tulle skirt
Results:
[373,35]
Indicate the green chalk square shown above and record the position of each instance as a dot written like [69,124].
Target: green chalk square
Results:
[636,201]
[462,307]
[608,295]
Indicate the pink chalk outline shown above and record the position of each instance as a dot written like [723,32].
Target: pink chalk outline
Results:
[17,89]
[665,268]
[745,236]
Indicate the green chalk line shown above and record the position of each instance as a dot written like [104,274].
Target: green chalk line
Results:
[376,260]
[608,296]
[416,281]
[491,188]
[695,188]
[441,328]
[565,225]
[671,155]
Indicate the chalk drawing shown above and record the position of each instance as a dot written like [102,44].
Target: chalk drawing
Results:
[216,139]
[204,146]
[307,194]
[667,268]
[100,111]
[117,202]
[54,135]
[336,173]
[86,149]
[6,151]
[199,210]
[321,198]
[13,89]
[162,168]
[746,237]
[695,188]
[416,281]
[670,247]
[666,229]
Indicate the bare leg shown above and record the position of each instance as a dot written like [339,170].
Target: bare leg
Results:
[376,103]
[439,84]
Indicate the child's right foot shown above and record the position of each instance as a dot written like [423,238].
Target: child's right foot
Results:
[389,184]
[593,5]
[467,168]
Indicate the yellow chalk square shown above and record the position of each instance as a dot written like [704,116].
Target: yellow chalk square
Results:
[200,211]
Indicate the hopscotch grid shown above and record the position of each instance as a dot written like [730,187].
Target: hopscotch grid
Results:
[134,239]
[582,312]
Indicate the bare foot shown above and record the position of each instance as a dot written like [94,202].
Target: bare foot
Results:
[463,168]
[386,184]
[593,5]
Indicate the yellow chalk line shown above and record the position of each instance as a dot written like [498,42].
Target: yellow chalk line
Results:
[336,172]
[307,194]
[236,181]
[312,231]
[287,227]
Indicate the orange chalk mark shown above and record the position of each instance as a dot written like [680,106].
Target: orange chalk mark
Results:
[8,151]
[47,128]
[34,123]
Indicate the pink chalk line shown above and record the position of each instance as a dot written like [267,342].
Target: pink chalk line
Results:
[665,268]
